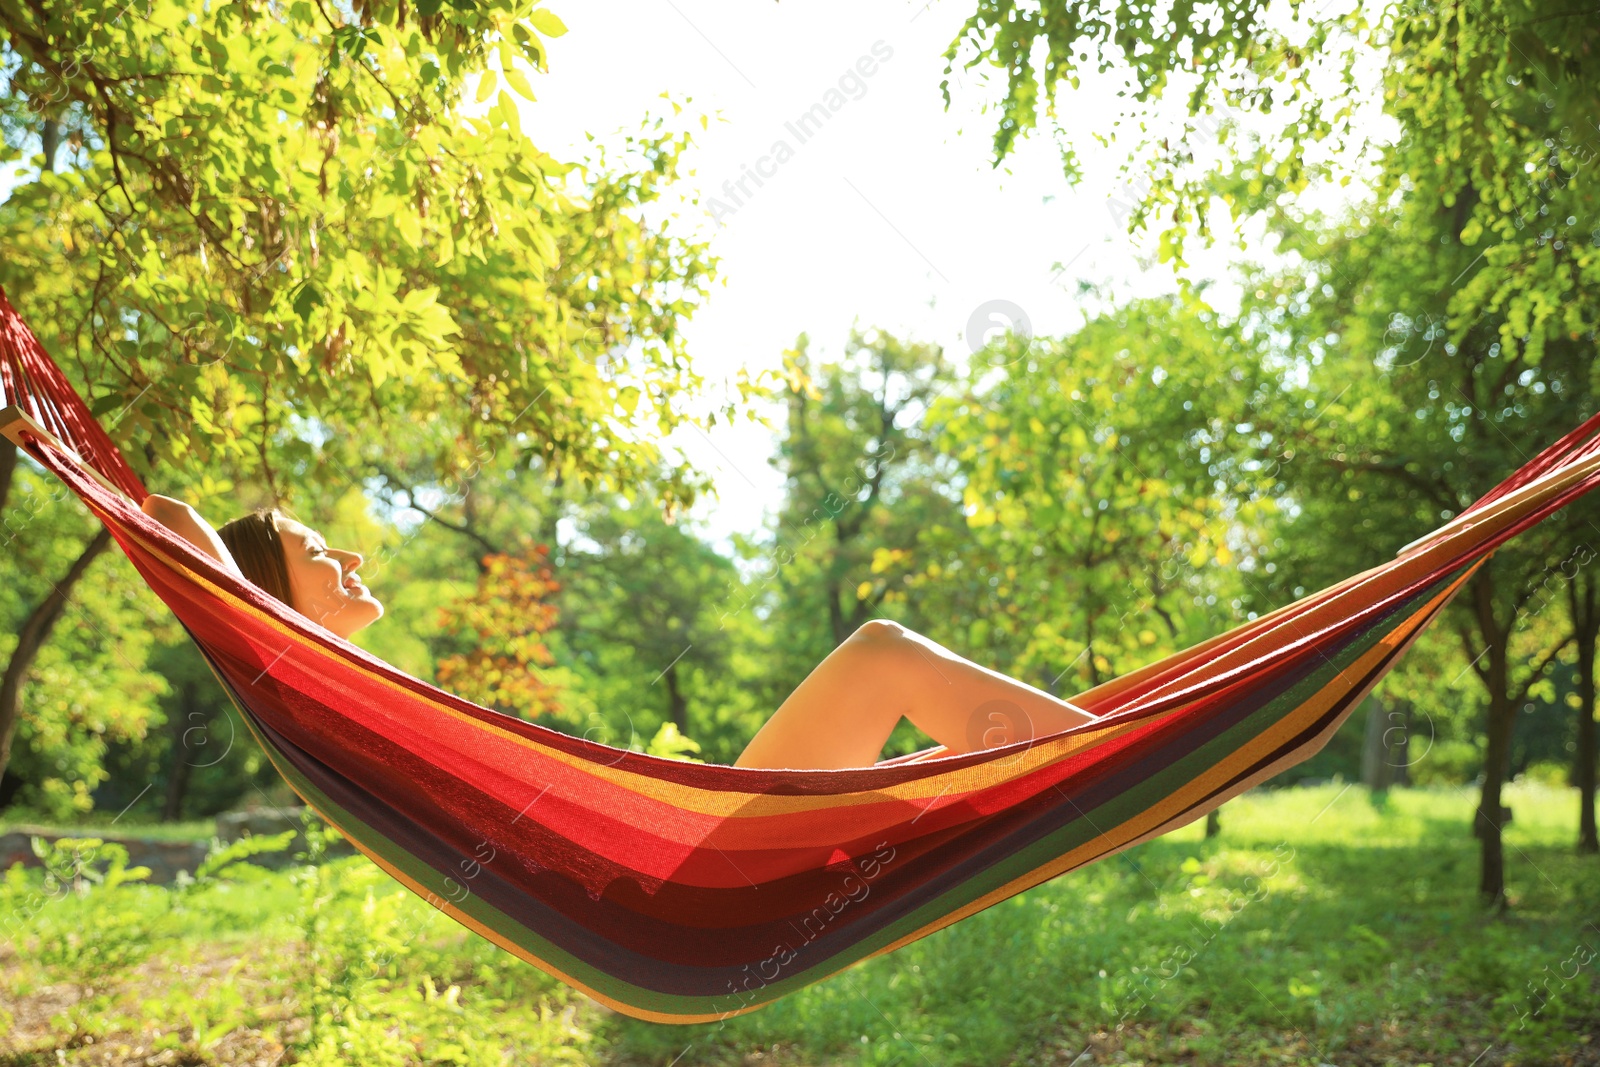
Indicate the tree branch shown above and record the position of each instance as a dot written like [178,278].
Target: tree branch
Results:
[464,529]
[31,636]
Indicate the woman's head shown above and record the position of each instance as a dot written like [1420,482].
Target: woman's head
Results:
[292,562]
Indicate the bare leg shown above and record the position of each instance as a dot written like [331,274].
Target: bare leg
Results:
[844,711]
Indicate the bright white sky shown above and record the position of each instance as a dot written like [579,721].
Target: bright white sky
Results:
[889,216]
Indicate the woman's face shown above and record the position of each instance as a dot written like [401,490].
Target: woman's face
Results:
[323,581]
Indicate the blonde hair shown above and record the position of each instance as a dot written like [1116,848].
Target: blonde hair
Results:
[256,546]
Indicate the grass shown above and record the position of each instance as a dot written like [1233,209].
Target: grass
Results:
[1323,926]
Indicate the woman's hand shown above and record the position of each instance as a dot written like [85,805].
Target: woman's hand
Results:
[188,523]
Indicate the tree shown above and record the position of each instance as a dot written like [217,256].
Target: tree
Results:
[858,484]
[1108,520]
[502,627]
[653,590]
[861,479]
[281,227]
[1583,605]
[1399,429]
[1466,274]
[95,683]
[1493,99]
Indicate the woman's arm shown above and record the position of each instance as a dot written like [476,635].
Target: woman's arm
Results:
[846,708]
[188,523]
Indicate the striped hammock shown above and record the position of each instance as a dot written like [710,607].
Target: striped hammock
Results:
[681,892]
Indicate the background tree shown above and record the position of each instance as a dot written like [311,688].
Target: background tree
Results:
[644,615]
[860,480]
[1467,263]
[277,230]
[849,452]
[1405,429]
[1583,609]
[501,629]
[95,683]
[1107,521]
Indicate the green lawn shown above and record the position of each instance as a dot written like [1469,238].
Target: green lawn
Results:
[1323,926]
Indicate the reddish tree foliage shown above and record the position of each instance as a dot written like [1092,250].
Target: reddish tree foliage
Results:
[503,624]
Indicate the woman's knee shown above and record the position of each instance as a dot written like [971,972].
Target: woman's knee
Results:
[879,631]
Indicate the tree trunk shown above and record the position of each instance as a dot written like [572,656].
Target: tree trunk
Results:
[677,705]
[32,635]
[1491,814]
[189,711]
[8,469]
[1586,629]
[836,620]
[1383,750]
[1397,741]
[37,626]
[1374,761]
[1213,823]
[50,142]
[1584,758]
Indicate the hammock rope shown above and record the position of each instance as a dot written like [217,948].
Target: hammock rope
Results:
[683,892]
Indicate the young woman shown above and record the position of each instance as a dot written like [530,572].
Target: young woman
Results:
[840,716]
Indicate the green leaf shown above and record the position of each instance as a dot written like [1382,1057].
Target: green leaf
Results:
[509,113]
[547,23]
[519,83]
[410,227]
[486,85]
[222,857]
[105,404]
[529,44]
[307,299]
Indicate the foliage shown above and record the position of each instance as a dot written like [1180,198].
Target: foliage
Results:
[857,466]
[668,743]
[282,217]
[1408,427]
[1493,100]
[259,235]
[503,626]
[92,686]
[73,865]
[221,860]
[646,618]
[861,480]
[1110,515]
[71,862]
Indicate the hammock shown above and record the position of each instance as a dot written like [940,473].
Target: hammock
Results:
[681,892]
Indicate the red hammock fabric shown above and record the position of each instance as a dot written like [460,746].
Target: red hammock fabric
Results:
[683,892]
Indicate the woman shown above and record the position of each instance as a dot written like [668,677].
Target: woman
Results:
[840,716]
